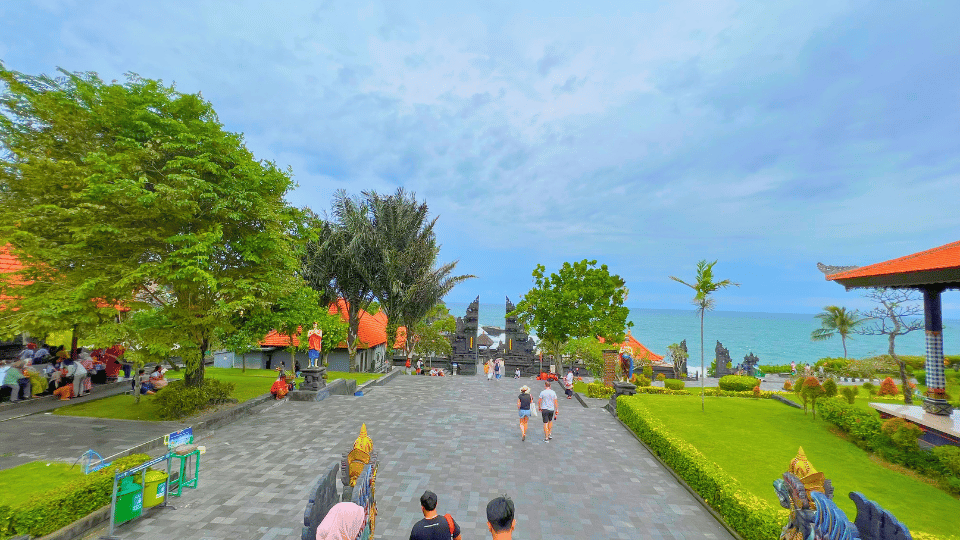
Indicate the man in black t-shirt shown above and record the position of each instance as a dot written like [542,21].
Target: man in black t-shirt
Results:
[433,526]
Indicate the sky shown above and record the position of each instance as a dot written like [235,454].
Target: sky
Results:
[646,135]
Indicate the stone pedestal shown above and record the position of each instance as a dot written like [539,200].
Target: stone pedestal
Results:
[313,378]
[621,389]
[940,407]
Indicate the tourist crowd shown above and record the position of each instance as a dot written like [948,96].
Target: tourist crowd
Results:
[347,521]
[41,371]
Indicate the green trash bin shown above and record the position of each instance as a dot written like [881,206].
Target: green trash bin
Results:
[154,488]
[129,501]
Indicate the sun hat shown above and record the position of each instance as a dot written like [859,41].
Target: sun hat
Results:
[524,389]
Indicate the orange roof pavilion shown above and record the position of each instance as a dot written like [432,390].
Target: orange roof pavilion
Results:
[931,272]
[939,266]
[372,330]
[639,350]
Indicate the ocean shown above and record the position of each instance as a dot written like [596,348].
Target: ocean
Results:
[775,338]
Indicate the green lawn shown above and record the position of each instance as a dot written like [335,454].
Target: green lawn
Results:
[755,440]
[249,384]
[18,484]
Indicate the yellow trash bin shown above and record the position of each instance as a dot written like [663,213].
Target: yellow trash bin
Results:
[154,489]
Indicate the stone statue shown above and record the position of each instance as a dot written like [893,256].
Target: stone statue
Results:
[815,516]
[315,344]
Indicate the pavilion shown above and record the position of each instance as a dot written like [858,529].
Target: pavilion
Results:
[931,272]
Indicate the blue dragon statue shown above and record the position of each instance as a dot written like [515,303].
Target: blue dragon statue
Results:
[815,516]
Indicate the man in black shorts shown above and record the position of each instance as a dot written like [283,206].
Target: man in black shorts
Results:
[548,406]
[433,526]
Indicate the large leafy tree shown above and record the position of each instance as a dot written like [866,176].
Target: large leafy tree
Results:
[134,193]
[838,321]
[897,314]
[581,300]
[704,285]
[431,335]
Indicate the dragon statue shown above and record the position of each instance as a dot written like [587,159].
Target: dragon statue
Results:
[808,495]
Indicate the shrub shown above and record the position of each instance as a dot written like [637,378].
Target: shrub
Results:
[643,381]
[773,369]
[787,385]
[903,434]
[599,390]
[830,388]
[850,393]
[56,509]
[737,383]
[177,400]
[673,384]
[756,391]
[659,390]
[752,517]
[661,377]
[832,365]
[888,388]
[741,394]
[861,424]
[949,457]
[812,390]
[648,372]
[921,377]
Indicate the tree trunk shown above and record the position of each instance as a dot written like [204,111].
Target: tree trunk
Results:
[353,336]
[194,377]
[905,385]
[73,343]
[703,371]
[843,338]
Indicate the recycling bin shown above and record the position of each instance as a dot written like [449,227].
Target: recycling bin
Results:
[129,501]
[154,488]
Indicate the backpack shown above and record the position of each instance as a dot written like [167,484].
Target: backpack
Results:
[450,523]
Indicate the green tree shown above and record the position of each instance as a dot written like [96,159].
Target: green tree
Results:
[703,287]
[431,335]
[337,263]
[581,300]
[589,350]
[134,193]
[678,355]
[897,314]
[836,320]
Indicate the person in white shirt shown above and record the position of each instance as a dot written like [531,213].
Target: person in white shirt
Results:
[549,406]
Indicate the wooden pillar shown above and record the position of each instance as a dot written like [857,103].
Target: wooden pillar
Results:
[936,381]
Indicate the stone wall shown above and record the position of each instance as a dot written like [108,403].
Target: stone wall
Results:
[320,500]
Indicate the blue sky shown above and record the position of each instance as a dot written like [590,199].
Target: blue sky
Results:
[646,135]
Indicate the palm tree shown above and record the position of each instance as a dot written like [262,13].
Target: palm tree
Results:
[703,287]
[836,321]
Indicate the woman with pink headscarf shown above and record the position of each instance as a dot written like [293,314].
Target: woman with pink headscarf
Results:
[345,521]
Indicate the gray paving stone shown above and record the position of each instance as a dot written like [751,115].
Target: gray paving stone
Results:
[457,436]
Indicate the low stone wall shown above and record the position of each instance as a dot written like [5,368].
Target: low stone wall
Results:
[339,387]
[323,495]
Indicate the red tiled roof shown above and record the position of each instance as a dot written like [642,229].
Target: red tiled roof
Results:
[372,330]
[639,350]
[939,258]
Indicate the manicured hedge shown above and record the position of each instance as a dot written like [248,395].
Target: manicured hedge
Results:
[752,517]
[764,394]
[673,384]
[56,509]
[661,390]
[896,444]
[737,383]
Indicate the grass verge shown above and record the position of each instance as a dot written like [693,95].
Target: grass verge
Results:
[20,483]
[249,384]
[754,440]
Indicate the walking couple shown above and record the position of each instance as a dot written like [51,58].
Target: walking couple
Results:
[547,404]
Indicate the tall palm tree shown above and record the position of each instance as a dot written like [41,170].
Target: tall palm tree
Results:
[703,287]
[335,264]
[836,321]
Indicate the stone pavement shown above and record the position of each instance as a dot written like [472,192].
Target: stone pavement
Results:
[457,436]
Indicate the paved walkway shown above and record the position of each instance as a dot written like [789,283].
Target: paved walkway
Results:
[457,436]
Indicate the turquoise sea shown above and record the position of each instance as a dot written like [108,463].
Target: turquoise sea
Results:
[776,338]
